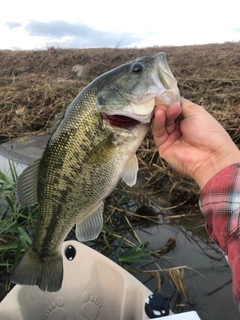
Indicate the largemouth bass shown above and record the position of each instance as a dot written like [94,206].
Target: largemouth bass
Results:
[93,146]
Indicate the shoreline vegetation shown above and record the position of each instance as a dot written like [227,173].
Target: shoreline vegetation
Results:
[35,85]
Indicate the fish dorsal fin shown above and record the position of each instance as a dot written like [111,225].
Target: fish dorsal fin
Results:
[56,120]
[26,186]
[129,174]
[91,226]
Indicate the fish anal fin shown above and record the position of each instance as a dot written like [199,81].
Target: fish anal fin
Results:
[26,186]
[90,227]
[129,175]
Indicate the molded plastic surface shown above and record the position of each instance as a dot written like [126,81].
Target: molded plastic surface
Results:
[94,287]
[191,315]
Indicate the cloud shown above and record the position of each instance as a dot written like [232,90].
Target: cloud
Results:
[57,28]
[236,30]
[78,35]
[13,25]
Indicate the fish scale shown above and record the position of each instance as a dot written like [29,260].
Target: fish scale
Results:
[93,145]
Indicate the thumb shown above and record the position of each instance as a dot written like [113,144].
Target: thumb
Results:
[159,126]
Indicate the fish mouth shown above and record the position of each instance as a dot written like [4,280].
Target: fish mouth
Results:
[121,121]
[130,118]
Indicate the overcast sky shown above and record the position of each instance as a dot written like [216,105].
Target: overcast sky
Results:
[41,24]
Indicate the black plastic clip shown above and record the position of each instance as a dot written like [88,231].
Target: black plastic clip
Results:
[156,306]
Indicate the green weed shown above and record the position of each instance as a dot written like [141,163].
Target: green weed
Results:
[118,240]
[16,223]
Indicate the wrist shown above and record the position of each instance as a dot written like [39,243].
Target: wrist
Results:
[215,165]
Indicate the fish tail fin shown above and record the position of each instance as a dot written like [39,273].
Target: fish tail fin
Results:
[46,273]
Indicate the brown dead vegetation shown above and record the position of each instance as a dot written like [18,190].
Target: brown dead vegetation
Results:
[37,84]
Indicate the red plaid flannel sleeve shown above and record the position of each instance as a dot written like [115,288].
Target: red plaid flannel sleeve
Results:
[220,204]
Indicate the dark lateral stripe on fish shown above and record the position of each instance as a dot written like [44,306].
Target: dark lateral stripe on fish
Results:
[85,158]
[43,245]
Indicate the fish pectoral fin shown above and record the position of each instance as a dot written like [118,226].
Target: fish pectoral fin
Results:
[91,226]
[129,174]
[26,186]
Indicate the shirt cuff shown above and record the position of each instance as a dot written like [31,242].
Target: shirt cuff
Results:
[220,204]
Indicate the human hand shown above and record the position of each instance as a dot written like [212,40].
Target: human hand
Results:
[197,146]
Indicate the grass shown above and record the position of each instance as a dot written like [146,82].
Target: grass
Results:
[16,225]
[14,218]
[121,244]
[35,85]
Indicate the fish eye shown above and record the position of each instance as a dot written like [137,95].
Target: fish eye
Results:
[137,67]
[70,253]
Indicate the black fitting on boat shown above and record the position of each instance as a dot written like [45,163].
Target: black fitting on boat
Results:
[156,306]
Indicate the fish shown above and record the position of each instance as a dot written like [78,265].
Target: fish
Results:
[93,146]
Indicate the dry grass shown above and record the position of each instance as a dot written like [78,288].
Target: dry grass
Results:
[37,84]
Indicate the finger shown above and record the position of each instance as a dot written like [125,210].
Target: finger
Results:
[171,115]
[158,126]
[189,108]
[173,139]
